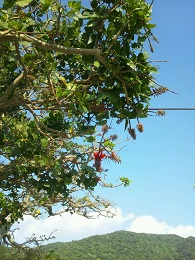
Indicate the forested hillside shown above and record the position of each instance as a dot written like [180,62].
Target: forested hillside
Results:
[122,245]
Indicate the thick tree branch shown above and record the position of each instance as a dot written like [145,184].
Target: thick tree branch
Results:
[15,36]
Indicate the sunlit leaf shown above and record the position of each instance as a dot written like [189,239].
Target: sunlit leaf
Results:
[96,64]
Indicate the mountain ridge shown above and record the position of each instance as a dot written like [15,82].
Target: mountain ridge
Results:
[128,245]
[120,245]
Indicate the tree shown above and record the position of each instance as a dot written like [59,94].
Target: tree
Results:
[67,72]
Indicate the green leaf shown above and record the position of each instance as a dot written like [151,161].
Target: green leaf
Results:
[76,5]
[44,142]
[25,44]
[42,163]
[8,4]
[154,70]
[19,126]
[59,92]
[151,26]
[87,168]
[102,122]
[87,15]
[90,139]
[46,2]
[126,182]
[109,144]
[82,108]
[94,3]
[46,185]
[22,3]
[142,114]
[96,64]
[146,55]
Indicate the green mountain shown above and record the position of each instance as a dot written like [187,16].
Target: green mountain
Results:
[120,245]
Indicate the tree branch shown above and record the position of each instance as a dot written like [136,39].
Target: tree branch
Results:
[11,87]
[14,36]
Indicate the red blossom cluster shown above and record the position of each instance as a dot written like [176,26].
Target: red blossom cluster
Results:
[98,156]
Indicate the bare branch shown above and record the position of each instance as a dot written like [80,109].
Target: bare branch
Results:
[8,239]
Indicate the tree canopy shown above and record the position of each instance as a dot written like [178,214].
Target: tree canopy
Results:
[66,73]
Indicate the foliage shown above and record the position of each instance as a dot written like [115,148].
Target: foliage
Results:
[120,245]
[67,72]
[126,245]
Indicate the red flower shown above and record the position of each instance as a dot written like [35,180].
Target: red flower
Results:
[99,156]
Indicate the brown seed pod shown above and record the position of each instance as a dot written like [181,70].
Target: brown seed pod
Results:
[132,133]
[115,158]
[105,128]
[160,113]
[113,137]
[140,127]
[159,91]
[119,120]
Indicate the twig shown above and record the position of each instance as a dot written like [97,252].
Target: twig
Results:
[20,59]
[116,36]
[151,4]
[164,87]
[158,60]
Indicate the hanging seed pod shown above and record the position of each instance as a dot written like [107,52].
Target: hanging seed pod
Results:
[151,47]
[150,44]
[159,91]
[140,127]
[105,128]
[155,39]
[115,158]
[113,137]
[132,133]
[120,120]
[160,113]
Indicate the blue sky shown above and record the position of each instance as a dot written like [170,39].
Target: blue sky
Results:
[161,162]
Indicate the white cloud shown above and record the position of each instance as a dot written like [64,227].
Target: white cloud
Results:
[71,227]
[149,224]
[76,227]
